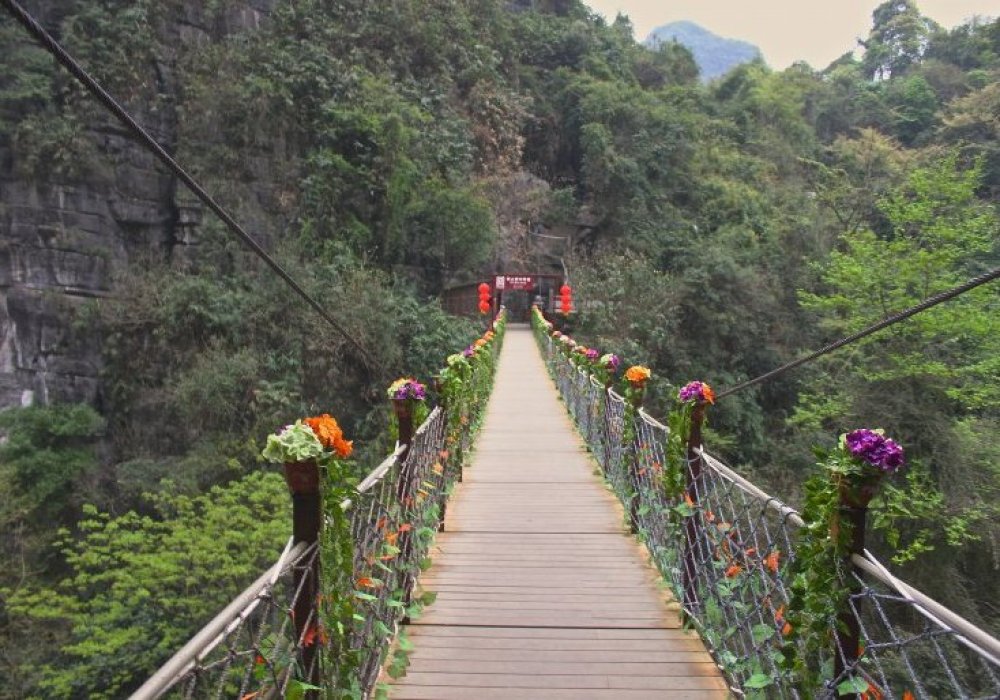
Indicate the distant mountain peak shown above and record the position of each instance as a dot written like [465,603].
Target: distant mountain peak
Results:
[715,55]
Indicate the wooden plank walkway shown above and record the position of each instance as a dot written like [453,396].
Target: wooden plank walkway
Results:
[541,592]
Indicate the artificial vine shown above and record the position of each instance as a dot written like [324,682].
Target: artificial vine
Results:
[820,585]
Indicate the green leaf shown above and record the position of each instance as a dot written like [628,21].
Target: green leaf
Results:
[852,685]
[761,633]
[758,680]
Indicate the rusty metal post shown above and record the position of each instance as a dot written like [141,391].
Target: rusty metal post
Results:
[852,512]
[307,518]
[692,523]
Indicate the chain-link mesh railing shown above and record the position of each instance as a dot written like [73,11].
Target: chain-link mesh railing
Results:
[725,547]
[252,649]
[393,522]
[252,645]
[393,519]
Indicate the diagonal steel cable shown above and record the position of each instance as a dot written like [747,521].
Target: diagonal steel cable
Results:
[112,105]
[928,303]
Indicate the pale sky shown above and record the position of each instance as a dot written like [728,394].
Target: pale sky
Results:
[817,31]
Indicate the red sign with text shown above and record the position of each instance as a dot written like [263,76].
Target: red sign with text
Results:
[523,282]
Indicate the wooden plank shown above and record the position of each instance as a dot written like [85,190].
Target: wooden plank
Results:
[428,692]
[563,681]
[645,656]
[664,670]
[645,635]
[574,643]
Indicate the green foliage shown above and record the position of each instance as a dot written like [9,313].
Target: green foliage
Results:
[47,461]
[139,585]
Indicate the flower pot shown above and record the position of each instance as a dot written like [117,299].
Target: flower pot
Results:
[302,477]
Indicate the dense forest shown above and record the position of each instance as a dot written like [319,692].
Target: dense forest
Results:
[383,151]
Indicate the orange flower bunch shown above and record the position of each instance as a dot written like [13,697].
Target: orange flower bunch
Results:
[480,342]
[488,335]
[330,434]
[637,375]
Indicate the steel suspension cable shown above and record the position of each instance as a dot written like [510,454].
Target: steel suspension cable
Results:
[112,105]
[874,328]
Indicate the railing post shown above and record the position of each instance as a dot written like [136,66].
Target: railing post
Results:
[691,534]
[404,488]
[635,503]
[605,457]
[852,512]
[444,455]
[307,518]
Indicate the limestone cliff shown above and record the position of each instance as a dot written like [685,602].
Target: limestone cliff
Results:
[65,233]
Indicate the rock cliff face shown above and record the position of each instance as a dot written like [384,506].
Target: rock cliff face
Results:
[62,239]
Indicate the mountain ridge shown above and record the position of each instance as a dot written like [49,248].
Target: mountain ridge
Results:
[714,54]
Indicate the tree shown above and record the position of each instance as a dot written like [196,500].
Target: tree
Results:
[931,380]
[897,40]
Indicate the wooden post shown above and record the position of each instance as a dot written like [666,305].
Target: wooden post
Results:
[307,519]
[852,512]
[691,523]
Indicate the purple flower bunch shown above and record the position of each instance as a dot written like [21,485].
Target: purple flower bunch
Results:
[875,449]
[592,354]
[409,389]
[696,391]
[611,361]
[469,351]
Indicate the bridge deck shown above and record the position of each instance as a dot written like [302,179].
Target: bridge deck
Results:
[541,593]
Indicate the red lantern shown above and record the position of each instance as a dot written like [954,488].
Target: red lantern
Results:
[566,299]
[484,298]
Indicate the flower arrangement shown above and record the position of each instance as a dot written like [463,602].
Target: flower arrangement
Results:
[293,443]
[304,446]
[637,375]
[406,388]
[606,367]
[330,435]
[696,391]
[307,439]
[874,450]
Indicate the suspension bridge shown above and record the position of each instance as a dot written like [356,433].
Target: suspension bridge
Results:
[570,563]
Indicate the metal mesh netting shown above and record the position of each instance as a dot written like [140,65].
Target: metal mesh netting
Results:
[725,549]
[393,523]
[393,520]
[255,648]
